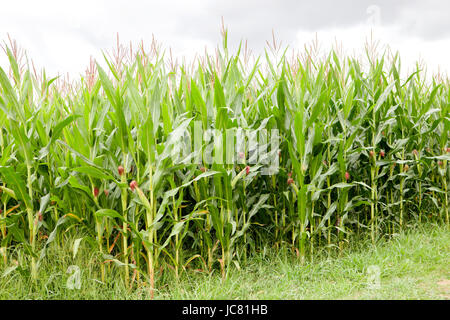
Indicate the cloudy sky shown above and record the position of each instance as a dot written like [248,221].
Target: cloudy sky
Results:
[62,35]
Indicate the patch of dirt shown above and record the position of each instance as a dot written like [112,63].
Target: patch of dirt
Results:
[444,287]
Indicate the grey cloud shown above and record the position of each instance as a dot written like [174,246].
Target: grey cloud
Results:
[428,20]
[254,20]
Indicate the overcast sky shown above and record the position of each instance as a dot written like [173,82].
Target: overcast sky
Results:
[62,35]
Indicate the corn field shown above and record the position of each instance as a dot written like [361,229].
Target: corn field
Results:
[361,152]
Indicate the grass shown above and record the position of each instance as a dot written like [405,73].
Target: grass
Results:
[413,265]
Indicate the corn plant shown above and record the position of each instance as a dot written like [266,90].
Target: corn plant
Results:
[162,166]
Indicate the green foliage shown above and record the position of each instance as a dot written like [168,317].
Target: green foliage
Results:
[360,151]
